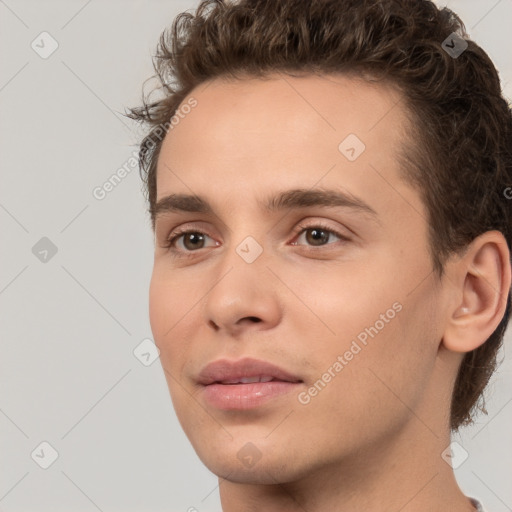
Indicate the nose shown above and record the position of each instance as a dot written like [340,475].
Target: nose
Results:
[244,297]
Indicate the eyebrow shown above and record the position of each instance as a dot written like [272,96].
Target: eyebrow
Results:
[288,200]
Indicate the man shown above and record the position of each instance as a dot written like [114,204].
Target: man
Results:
[327,183]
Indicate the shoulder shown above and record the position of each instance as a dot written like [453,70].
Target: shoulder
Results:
[477,505]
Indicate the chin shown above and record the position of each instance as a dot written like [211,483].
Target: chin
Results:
[246,465]
[264,473]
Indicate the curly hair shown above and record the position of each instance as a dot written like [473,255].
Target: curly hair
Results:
[461,159]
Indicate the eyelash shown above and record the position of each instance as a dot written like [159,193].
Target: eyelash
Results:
[170,241]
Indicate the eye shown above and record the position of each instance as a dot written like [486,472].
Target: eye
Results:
[184,242]
[319,234]
[192,240]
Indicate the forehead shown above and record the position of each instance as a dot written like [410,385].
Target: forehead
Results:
[246,137]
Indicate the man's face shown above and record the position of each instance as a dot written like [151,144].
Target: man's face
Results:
[353,319]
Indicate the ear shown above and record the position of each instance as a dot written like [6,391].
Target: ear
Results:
[481,281]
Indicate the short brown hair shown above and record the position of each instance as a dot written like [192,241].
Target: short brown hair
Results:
[461,160]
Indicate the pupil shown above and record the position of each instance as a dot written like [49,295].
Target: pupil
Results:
[193,236]
[317,235]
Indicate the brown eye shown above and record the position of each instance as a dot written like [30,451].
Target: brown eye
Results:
[192,240]
[317,236]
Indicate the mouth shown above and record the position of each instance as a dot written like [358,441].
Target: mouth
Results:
[244,384]
[248,380]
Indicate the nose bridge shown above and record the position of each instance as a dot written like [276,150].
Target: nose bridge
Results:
[242,287]
[245,259]
[246,233]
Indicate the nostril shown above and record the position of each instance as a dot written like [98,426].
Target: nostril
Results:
[214,325]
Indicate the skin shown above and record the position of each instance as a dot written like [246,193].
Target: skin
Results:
[372,438]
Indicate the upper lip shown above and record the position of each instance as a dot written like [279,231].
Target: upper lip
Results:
[227,370]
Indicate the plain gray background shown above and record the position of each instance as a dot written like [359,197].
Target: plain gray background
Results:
[71,323]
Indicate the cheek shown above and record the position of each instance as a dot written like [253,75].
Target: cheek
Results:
[169,300]
[393,365]
[158,307]
[166,306]
[373,393]
[379,329]
[345,302]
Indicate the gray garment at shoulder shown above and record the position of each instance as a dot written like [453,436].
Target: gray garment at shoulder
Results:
[477,504]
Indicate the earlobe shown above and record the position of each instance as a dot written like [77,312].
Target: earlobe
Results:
[481,281]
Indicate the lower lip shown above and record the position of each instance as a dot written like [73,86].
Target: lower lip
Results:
[245,396]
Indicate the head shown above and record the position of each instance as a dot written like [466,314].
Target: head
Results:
[261,97]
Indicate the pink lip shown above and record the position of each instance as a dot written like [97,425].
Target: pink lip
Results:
[242,396]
